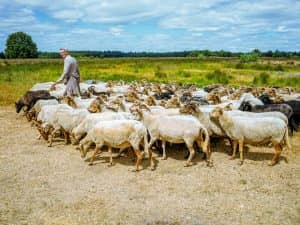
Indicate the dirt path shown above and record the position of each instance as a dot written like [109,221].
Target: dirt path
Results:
[41,185]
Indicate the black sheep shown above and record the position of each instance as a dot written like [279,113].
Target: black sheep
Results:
[30,98]
[295,104]
[283,108]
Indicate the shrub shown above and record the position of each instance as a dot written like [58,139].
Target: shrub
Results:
[261,79]
[218,76]
[252,57]
[201,56]
[159,73]
[182,73]
[279,68]
[239,65]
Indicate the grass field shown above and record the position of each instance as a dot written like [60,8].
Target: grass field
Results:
[17,76]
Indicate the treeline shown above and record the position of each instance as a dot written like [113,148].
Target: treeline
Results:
[197,53]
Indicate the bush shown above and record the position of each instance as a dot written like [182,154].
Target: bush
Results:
[261,79]
[159,73]
[252,57]
[182,73]
[239,65]
[218,76]
[20,45]
[201,56]
[279,68]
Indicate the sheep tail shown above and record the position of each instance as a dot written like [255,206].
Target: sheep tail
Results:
[286,136]
[146,144]
[206,140]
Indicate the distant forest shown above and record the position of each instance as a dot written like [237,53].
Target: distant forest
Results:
[196,53]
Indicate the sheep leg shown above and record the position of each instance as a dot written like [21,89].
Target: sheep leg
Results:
[192,153]
[110,156]
[66,136]
[138,159]
[241,146]
[120,152]
[152,140]
[208,155]
[43,134]
[97,149]
[74,141]
[275,159]
[152,166]
[234,149]
[164,150]
[50,139]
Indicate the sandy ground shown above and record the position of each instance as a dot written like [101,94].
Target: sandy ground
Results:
[42,185]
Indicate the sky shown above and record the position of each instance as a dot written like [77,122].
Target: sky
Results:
[154,25]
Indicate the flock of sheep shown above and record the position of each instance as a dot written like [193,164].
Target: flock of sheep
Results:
[135,116]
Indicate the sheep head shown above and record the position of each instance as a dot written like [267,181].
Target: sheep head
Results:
[131,96]
[265,99]
[245,106]
[216,113]
[228,107]
[30,115]
[96,105]
[278,99]
[214,97]
[150,101]
[173,103]
[190,108]
[69,101]
[19,105]
[109,84]
[162,103]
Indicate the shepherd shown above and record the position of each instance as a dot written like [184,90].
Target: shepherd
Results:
[70,75]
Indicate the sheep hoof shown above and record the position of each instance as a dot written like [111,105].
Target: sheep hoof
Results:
[209,164]
[134,170]
[232,158]
[188,164]
[90,164]
[152,168]
[164,158]
[272,163]
[241,163]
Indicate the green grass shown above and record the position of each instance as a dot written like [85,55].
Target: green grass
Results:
[17,76]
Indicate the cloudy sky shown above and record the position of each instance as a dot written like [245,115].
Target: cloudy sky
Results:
[154,25]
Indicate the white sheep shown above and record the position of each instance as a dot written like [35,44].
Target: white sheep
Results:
[242,130]
[45,118]
[66,120]
[92,119]
[174,129]
[203,114]
[117,134]
[35,110]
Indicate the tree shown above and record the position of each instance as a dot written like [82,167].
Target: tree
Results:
[249,57]
[256,51]
[20,45]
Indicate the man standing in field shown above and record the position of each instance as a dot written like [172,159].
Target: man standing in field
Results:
[70,75]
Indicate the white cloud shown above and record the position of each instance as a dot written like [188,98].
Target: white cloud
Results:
[155,25]
[116,31]
[68,15]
